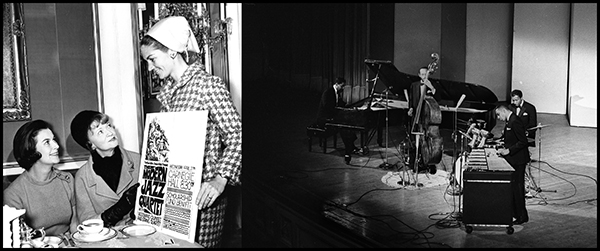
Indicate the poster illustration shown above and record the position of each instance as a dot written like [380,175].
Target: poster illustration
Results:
[171,170]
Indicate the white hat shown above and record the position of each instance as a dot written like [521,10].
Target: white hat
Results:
[175,33]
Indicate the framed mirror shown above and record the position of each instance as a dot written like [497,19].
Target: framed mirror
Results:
[15,87]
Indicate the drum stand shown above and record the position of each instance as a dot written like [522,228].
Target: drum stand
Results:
[538,189]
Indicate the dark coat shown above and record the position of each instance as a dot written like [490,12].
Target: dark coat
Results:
[94,196]
[528,115]
[516,141]
[327,106]
[415,95]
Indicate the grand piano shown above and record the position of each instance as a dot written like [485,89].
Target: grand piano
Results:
[369,114]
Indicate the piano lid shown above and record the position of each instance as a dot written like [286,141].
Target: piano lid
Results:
[449,90]
[388,77]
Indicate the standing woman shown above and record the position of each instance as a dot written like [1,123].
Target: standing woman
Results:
[190,88]
[106,185]
[46,193]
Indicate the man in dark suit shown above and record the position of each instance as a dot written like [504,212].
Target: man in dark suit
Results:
[331,100]
[526,111]
[517,155]
[415,90]
[415,98]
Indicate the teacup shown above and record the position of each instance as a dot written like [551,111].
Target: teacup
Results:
[91,226]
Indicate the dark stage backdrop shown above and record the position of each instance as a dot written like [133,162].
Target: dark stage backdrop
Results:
[306,46]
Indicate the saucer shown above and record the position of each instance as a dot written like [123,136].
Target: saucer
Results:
[138,230]
[103,231]
[104,234]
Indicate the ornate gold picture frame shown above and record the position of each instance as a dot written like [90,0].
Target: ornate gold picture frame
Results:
[15,87]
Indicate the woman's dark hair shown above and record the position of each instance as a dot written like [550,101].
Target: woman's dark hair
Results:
[24,143]
[150,41]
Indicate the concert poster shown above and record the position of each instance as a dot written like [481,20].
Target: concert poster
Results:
[171,171]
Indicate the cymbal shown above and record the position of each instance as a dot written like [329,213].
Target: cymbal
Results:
[539,126]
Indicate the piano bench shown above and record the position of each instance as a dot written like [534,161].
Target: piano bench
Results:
[322,134]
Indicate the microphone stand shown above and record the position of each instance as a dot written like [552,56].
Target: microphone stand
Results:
[385,164]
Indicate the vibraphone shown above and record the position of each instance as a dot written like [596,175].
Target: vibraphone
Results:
[487,190]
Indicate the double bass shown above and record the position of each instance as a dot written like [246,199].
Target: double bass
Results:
[425,126]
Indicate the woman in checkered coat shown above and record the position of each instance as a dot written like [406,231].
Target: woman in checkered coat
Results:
[189,88]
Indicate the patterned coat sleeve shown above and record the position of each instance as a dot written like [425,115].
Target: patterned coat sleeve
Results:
[197,90]
[229,126]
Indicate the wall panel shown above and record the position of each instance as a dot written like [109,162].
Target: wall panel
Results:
[453,44]
[540,54]
[488,54]
[583,66]
[417,34]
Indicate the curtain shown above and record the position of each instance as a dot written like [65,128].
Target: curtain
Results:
[309,45]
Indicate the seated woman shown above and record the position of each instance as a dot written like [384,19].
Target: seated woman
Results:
[107,183]
[47,194]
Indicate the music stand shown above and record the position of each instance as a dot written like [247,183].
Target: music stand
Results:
[457,215]
[455,129]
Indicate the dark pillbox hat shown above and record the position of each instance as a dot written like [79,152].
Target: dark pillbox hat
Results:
[80,126]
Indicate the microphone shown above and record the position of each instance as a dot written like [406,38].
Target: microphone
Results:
[462,97]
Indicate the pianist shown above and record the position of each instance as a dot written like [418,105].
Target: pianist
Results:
[331,99]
